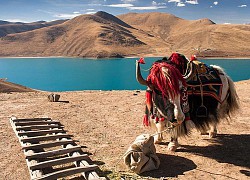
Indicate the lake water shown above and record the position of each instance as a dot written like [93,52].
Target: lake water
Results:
[71,74]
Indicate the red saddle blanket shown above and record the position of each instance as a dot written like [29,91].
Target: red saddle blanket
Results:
[207,78]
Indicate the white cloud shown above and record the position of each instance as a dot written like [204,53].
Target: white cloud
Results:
[216,3]
[154,3]
[76,12]
[120,5]
[146,7]
[128,1]
[90,12]
[192,1]
[90,9]
[226,23]
[129,6]
[176,1]
[94,4]
[47,12]
[181,4]
[66,16]
[243,5]
[16,20]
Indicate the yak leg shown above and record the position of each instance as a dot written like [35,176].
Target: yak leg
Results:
[213,131]
[173,144]
[178,114]
[160,126]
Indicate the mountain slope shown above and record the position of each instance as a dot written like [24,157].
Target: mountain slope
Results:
[96,36]
[202,37]
[145,34]
[12,28]
[83,36]
[6,87]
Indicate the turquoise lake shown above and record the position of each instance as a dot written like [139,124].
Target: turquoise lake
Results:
[72,74]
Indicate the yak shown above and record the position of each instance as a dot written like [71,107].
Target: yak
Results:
[183,94]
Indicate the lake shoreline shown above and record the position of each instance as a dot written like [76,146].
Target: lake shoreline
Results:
[110,58]
[9,87]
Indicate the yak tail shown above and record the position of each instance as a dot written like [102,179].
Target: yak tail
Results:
[233,98]
[231,104]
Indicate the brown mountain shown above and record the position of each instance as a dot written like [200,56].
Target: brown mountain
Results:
[202,37]
[147,34]
[12,28]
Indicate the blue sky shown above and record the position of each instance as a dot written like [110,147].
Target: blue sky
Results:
[219,11]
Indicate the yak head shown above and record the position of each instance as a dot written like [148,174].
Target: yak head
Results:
[165,84]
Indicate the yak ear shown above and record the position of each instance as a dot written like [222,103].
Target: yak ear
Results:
[139,76]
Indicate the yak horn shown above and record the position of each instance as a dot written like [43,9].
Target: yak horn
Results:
[189,76]
[139,76]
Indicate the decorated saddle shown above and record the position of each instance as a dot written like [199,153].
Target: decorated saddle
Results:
[204,80]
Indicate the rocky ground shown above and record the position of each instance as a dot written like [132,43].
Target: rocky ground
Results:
[105,123]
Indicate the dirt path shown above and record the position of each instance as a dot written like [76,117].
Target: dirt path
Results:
[105,123]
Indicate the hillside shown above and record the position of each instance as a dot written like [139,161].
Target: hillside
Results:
[99,35]
[12,28]
[202,37]
[133,34]
[7,87]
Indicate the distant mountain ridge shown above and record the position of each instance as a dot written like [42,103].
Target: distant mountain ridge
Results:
[133,34]
[17,27]
[7,22]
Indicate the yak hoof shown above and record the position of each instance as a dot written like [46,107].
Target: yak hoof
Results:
[212,134]
[157,140]
[172,146]
[203,132]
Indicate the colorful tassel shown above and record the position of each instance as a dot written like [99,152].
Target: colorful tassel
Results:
[179,60]
[193,58]
[156,119]
[165,85]
[187,116]
[141,60]
[162,119]
[149,100]
[145,120]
